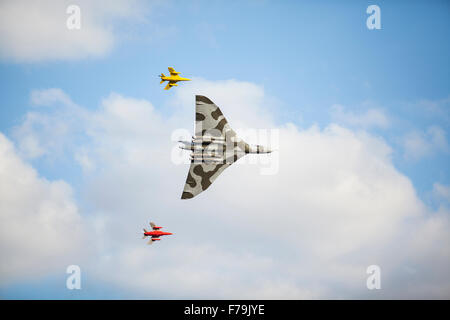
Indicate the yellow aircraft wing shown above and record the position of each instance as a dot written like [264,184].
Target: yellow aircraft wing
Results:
[172,71]
[169,85]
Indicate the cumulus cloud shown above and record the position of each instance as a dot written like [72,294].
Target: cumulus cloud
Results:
[441,191]
[32,31]
[202,270]
[373,117]
[48,132]
[419,144]
[41,230]
[434,108]
[248,105]
[336,206]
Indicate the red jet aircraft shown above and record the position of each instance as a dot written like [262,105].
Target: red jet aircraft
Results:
[155,234]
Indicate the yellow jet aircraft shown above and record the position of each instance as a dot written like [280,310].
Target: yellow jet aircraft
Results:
[173,79]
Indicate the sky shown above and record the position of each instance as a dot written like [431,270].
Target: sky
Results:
[88,153]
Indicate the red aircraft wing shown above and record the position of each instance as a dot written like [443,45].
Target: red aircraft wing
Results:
[154,226]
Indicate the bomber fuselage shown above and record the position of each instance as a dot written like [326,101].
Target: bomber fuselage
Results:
[220,146]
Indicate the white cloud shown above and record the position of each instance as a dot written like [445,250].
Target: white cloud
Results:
[32,31]
[46,132]
[336,206]
[41,230]
[438,138]
[373,117]
[441,191]
[248,105]
[434,108]
[420,144]
[203,271]
[50,97]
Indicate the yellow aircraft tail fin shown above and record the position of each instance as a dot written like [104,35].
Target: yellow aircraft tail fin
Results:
[161,76]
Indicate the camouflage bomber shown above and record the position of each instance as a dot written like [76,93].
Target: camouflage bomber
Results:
[214,147]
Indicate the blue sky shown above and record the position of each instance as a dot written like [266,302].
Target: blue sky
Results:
[316,62]
[309,56]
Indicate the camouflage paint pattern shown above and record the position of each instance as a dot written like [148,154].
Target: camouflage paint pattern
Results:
[214,148]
